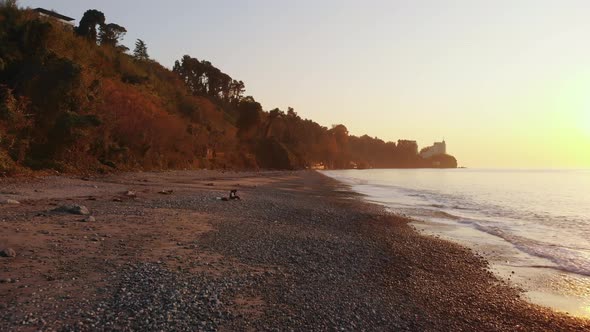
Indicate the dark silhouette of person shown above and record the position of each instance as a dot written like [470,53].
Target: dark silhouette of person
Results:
[233,194]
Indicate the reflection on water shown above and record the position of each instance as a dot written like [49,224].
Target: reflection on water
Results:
[535,223]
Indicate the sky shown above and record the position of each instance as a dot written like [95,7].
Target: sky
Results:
[505,83]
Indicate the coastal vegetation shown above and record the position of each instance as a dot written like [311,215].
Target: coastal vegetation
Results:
[75,99]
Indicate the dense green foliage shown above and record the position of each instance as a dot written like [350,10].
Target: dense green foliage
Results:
[73,99]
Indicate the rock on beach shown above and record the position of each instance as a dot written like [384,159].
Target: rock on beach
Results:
[89,219]
[9,201]
[73,209]
[7,252]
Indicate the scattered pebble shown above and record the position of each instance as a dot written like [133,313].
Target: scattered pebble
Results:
[89,219]
[166,192]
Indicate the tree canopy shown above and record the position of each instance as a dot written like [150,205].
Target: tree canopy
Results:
[202,78]
[140,52]
[87,27]
[70,104]
[111,34]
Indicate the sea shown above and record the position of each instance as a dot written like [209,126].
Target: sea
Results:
[533,226]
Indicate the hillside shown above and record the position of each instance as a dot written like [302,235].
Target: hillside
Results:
[73,99]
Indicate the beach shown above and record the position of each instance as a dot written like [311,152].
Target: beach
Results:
[298,251]
[532,226]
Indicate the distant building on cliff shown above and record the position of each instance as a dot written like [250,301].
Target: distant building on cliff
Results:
[56,16]
[437,148]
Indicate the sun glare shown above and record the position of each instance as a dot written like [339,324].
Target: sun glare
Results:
[584,123]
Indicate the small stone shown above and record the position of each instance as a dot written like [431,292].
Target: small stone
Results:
[5,280]
[166,192]
[117,199]
[89,219]
[130,193]
[8,252]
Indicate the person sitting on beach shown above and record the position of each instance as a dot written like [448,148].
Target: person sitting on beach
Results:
[233,194]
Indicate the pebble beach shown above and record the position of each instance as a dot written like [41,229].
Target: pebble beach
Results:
[299,251]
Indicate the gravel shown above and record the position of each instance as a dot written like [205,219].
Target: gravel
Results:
[150,297]
[299,254]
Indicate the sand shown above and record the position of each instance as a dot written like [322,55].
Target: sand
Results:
[299,251]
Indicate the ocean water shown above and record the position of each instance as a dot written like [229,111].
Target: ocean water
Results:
[532,223]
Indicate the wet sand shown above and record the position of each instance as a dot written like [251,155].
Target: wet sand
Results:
[299,251]
[541,281]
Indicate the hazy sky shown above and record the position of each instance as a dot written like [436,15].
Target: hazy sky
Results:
[506,83]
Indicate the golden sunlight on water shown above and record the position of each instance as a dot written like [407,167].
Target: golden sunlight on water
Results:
[532,225]
[576,291]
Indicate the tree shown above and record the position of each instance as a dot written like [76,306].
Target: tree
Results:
[202,78]
[88,23]
[110,34]
[9,3]
[272,116]
[140,51]
[249,118]
[340,132]
[291,113]
[191,71]
[237,89]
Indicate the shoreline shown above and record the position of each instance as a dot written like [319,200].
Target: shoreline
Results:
[298,251]
[540,282]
